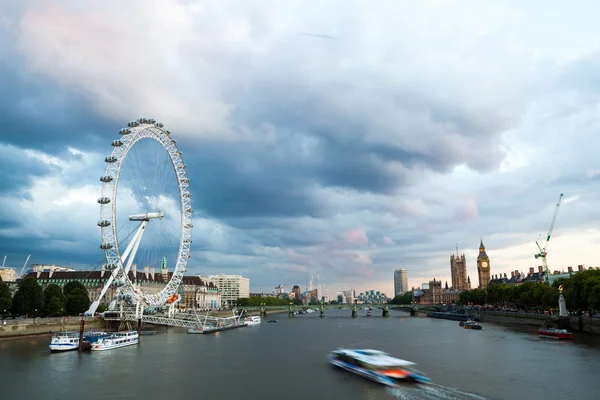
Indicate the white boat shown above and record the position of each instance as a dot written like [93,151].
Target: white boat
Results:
[252,320]
[64,341]
[116,340]
[377,366]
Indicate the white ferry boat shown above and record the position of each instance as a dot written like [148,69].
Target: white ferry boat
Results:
[63,341]
[252,320]
[116,340]
[377,366]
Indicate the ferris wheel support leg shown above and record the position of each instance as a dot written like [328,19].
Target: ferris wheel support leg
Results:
[136,244]
[96,303]
[134,240]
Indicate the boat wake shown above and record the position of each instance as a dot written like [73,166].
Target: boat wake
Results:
[432,391]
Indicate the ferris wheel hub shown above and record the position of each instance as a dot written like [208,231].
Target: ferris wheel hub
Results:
[146,217]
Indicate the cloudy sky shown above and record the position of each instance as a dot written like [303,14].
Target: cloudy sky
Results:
[343,138]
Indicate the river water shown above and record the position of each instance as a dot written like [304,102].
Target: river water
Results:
[287,360]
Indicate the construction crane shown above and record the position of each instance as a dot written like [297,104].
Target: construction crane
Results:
[543,251]
[23,269]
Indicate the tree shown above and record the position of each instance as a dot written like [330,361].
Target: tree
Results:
[5,298]
[28,298]
[69,287]
[54,300]
[400,299]
[77,301]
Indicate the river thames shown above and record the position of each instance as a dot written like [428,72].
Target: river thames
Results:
[287,360]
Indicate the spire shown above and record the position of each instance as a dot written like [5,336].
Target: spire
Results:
[481,246]
[446,284]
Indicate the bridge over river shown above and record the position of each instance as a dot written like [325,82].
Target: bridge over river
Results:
[192,319]
[385,308]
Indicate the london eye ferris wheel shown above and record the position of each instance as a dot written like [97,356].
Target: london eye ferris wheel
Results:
[145,194]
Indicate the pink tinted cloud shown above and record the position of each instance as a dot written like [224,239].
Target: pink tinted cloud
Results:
[468,210]
[387,241]
[356,236]
[364,272]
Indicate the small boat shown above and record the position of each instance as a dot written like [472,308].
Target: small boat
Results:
[206,329]
[555,333]
[64,341]
[150,333]
[369,314]
[470,324]
[252,320]
[116,340]
[271,320]
[377,366]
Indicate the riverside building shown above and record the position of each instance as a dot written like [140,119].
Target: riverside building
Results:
[231,287]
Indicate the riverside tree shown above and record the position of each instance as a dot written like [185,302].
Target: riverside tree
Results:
[29,298]
[5,298]
[54,301]
[76,298]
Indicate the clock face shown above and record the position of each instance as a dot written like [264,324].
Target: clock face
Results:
[484,264]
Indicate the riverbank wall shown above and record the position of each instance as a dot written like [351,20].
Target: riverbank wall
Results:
[44,326]
[574,323]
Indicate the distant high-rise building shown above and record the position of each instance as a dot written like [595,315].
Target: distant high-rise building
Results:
[483,267]
[458,270]
[400,281]
[296,291]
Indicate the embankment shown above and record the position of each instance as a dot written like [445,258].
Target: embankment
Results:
[574,323]
[45,326]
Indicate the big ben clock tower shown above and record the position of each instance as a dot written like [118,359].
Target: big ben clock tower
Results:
[483,267]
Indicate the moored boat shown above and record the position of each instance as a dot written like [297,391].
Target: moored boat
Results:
[555,333]
[252,320]
[206,329]
[116,340]
[63,341]
[377,366]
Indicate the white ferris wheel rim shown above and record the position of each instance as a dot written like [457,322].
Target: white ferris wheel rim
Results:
[141,129]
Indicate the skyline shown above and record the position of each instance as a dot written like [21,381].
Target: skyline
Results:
[349,147]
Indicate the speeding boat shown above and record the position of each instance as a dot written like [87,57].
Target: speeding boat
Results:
[377,366]
[470,324]
[554,333]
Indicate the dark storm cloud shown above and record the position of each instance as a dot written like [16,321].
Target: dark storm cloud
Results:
[18,171]
[39,114]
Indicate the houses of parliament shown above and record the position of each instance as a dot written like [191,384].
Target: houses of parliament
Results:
[434,293]
[458,269]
